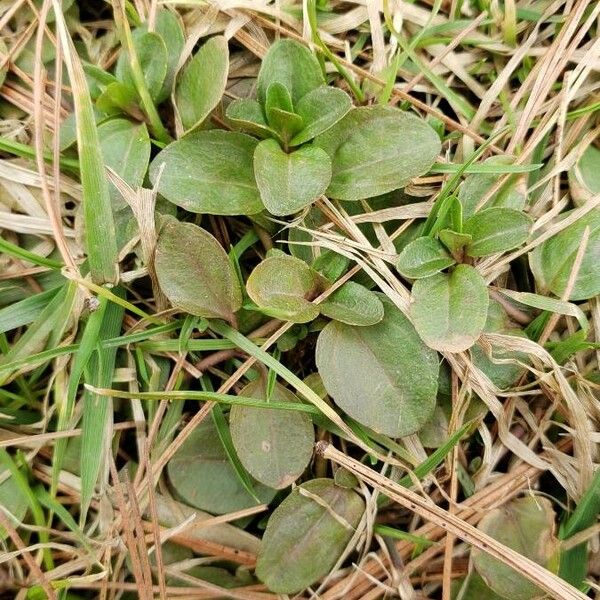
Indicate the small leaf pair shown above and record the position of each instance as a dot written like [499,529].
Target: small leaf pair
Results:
[488,232]
[294,106]
[449,310]
[158,54]
[312,141]
[283,287]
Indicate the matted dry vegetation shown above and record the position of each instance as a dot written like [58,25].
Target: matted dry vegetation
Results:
[103,382]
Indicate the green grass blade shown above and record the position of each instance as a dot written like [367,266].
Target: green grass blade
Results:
[97,411]
[436,457]
[100,238]
[40,330]
[206,397]
[36,259]
[87,345]
[25,311]
[574,562]
[34,505]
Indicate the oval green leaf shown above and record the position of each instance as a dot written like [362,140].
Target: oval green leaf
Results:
[375,150]
[496,230]
[152,55]
[353,304]
[168,26]
[283,287]
[320,109]
[423,257]
[450,310]
[552,261]
[584,178]
[291,64]
[289,182]
[126,150]
[202,81]
[209,172]
[527,526]
[194,271]
[247,115]
[382,375]
[304,539]
[275,446]
[202,476]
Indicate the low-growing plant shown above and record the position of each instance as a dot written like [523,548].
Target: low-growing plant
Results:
[232,259]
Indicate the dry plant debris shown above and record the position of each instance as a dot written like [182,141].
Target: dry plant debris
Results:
[299,299]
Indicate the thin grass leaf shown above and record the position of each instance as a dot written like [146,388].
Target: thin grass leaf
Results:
[100,238]
[25,311]
[28,256]
[89,343]
[206,397]
[574,562]
[36,510]
[96,426]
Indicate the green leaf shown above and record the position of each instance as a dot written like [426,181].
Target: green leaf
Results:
[423,257]
[278,96]
[153,58]
[126,150]
[209,172]
[289,182]
[98,415]
[12,499]
[502,374]
[449,310]
[291,64]
[353,304]
[304,539]
[247,115]
[553,260]
[527,526]
[280,114]
[100,237]
[455,242]
[168,26]
[574,562]
[274,446]
[202,81]
[202,476]
[587,169]
[118,98]
[330,264]
[560,307]
[194,271]
[283,287]
[320,109]
[496,230]
[25,311]
[473,587]
[375,150]
[382,375]
[476,186]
